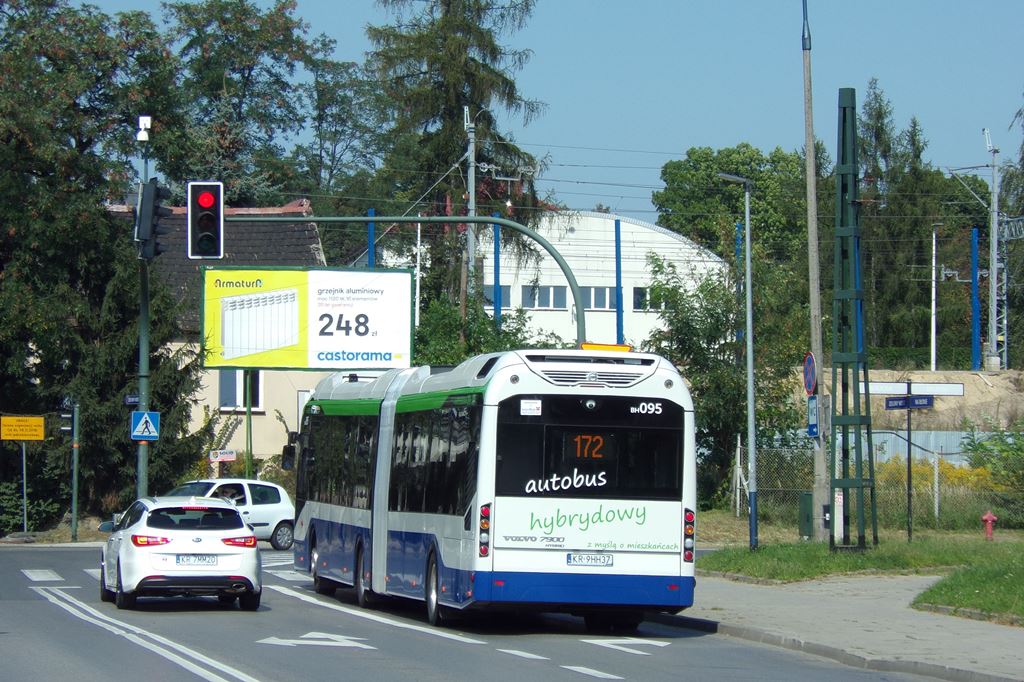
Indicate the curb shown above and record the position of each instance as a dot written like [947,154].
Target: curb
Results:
[826,651]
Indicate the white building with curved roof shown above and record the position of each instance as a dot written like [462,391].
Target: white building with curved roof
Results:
[587,242]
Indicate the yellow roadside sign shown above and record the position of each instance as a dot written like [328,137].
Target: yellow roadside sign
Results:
[21,428]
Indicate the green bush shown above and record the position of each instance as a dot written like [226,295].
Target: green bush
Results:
[41,513]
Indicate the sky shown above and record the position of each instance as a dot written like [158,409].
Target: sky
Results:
[630,85]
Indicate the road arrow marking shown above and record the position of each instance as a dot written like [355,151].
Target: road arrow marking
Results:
[591,672]
[618,644]
[318,639]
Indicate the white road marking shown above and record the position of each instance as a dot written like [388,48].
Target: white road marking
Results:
[591,672]
[160,645]
[290,576]
[369,615]
[524,654]
[37,575]
[319,639]
[619,642]
[94,572]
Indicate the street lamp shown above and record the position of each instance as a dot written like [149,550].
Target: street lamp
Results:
[751,444]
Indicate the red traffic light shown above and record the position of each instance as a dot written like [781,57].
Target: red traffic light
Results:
[206,199]
[205,217]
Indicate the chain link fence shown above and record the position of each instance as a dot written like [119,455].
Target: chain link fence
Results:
[946,493]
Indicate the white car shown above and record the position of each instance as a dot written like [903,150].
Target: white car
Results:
[168,546]
[264,506]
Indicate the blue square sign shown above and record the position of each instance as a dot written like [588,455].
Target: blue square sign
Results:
[145,426]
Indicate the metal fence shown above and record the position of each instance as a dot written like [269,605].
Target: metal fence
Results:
[945,491]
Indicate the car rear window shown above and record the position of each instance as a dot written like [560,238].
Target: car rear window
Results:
[194,518]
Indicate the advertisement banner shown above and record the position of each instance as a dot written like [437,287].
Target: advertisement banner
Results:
[587,524]
[291,318]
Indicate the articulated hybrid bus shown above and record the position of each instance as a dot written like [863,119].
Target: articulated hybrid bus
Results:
[548,480]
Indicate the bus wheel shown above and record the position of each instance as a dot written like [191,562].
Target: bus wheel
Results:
[364,596]
[321,585]
[435,612]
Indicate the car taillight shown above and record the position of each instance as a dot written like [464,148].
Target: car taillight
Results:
[149,540]
[245,541]
[689,531]
[485,530]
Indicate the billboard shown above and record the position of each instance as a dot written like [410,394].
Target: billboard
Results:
[306,318]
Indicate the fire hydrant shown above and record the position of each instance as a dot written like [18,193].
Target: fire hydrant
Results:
[989,519]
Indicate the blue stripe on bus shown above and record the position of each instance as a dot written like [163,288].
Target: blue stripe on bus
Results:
[579,588]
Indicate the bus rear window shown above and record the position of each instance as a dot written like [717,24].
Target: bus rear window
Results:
[607,448]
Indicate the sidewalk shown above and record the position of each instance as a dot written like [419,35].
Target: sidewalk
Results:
[862,621]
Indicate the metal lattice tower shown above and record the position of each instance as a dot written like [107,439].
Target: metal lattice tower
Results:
[1009,229]
[851,407]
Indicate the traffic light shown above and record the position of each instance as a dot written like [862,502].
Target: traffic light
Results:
[205,220]
[147,219]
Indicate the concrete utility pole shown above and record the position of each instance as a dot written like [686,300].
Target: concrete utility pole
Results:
[821,483]
[470,123]
[992,362]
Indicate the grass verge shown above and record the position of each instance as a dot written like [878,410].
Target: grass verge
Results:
[985,579]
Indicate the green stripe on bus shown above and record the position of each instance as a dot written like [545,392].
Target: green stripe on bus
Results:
[439,399]
[359,408]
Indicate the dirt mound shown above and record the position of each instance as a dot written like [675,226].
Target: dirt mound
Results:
[988,397]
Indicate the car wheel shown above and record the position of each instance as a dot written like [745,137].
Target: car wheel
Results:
[435,612]
[122,599]
[105,594]
[250,601]
[364,595]
[321,585]
[282,536]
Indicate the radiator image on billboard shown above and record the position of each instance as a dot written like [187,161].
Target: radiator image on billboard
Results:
[254,323]
[306,318]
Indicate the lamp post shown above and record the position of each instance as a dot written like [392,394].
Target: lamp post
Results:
[749,333]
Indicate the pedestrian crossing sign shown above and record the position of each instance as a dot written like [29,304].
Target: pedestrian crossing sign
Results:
[145,426]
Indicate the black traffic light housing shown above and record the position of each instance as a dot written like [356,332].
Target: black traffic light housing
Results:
[147,219]
[205,220]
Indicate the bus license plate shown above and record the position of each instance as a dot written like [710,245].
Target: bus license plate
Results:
[583,559]
[197,560]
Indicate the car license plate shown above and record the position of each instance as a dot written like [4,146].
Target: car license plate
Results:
[196,560]
[585,559]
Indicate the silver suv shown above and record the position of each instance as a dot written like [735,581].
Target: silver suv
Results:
[264,506]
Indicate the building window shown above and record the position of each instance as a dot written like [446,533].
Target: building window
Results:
[506,296]
[550,297]
[599,298]
[642,300]
[231,393]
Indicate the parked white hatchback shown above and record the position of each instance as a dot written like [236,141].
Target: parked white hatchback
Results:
[170,546]
[264,506]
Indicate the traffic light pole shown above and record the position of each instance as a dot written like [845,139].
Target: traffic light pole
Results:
[142,471]
[142,457]
[74,473]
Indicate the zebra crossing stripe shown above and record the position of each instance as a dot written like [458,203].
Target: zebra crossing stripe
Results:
[37,575]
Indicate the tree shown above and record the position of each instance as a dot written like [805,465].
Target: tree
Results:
[238,92]
[902,200]
[73,82]
[700,335]
[436,64]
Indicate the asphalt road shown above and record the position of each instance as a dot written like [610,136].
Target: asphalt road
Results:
[53,626]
